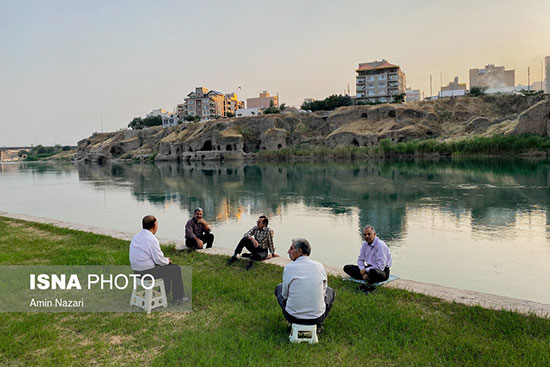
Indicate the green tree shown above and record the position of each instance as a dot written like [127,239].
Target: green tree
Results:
[327,104]
[477,91]
[400,98]
[136,123]
[271,109]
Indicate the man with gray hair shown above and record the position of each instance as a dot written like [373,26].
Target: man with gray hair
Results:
[197,232]
[374,261]
[304,295]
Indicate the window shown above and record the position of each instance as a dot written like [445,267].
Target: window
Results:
[371,77]
[371,93]
[371,85]
[382,77]
[381,84]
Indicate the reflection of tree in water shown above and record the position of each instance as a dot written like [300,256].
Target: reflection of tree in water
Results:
[490,192]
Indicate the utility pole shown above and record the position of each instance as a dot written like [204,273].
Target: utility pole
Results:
[101,118]
[541,78]
[431,86]
[440,83]
[528,78]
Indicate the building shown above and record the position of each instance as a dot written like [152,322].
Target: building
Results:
[248,112]
[232,104]
[453,89]
[379,81]
[170,119]
[158,112]
[413,95]
[263,101]
[547,74]
[494,78]
[208,105]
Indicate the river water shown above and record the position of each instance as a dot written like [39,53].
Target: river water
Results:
[482,225]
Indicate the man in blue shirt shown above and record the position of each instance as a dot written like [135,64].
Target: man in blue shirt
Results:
[374,261]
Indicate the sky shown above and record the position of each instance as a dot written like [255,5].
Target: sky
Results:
[71,68]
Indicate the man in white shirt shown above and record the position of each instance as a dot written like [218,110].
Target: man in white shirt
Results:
[374,260]
[146,257]
[304,295]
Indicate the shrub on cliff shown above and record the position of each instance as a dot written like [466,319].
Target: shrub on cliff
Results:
[327,104]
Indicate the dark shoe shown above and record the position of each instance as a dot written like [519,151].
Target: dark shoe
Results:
[320,329]
[289,329]
[246,254]
[249,265]
[231,260]
[181,301]
[367,288]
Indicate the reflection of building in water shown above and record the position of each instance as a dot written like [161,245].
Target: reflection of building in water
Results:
[381,191]
[493,218]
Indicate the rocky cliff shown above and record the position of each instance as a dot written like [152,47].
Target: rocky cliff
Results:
[237,138]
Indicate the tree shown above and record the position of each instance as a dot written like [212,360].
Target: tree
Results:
[136,123]
[230,114]
[271,109]
[400,98]
[477,91]
[328,104]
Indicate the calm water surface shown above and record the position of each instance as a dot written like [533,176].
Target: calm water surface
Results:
[480,225]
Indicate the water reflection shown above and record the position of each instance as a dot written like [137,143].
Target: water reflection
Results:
[462,223]
[487,191]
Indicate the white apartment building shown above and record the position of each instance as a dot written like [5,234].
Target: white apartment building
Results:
[379,81]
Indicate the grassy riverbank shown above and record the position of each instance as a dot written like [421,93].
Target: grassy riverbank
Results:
[510,145]
[236,320]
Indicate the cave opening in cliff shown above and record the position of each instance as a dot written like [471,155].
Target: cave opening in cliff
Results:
[207,146]
[228,147]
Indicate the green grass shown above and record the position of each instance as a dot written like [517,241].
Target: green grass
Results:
[501,145]
[236,320]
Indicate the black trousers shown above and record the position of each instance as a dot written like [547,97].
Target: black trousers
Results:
[207,239]
[329,301]
[171,274]
[257,253]
[373,275]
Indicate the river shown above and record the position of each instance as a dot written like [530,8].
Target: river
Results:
[482,225]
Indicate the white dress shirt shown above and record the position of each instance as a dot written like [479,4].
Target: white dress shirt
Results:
[304,287]
[145,251]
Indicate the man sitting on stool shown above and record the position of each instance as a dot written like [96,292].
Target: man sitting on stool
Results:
[374,261]
[146,257]
[304,295]
[258,240]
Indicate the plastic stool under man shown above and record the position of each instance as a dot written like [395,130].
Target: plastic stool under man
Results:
[153,295]
[303,333]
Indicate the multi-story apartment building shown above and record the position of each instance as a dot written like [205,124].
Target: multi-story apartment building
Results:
[379,81]
[204,103]
[208,105]
[263,101]
[232,104]
[495,78]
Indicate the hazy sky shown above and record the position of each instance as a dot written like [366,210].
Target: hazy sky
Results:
[67,65]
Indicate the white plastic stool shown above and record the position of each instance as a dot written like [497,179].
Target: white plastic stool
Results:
[303,333]
[151,298]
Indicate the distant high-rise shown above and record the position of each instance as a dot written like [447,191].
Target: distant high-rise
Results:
[547,74]
[379,81]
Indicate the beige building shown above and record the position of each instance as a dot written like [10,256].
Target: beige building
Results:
[263,101]
[232,104]
[453,89]
[492,77]
[379,81]
[413,95]
[208,105]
